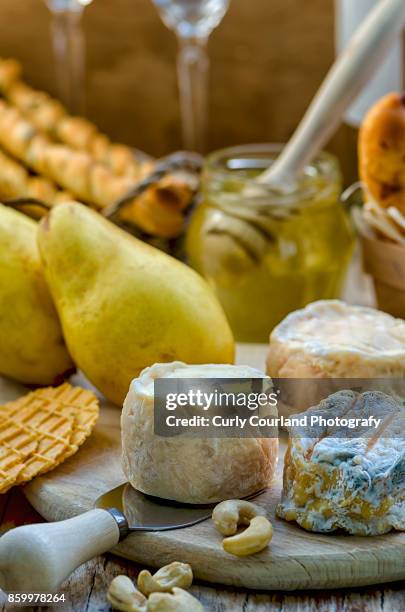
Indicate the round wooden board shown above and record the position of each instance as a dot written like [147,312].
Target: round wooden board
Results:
[295,559]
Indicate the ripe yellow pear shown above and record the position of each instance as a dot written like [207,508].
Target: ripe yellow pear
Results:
[32,349]
[125,305]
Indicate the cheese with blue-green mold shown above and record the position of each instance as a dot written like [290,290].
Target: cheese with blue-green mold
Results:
[341,479]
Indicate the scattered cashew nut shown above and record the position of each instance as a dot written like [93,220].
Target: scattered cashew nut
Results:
[252,540]
[175,574]
[229,514]
[178,601]
[233,512]
[123,596]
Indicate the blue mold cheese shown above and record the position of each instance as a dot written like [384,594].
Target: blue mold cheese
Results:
[336,479]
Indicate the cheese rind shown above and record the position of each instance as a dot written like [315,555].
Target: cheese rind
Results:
[332,339]
[184,468]
[356,483]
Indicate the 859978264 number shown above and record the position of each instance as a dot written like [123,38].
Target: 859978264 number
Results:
[35,598]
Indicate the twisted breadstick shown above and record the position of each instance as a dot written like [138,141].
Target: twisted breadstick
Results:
[50,116]
[74,170]
[10,72]
[157,211]
[28,130]
[16,182]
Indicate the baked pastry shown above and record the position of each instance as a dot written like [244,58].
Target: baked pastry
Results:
[10,73]
[156,211]
[190,469]
[382,152]
[74,170]
[336,481]
[50,116]
[332,339]
[17,182]
[74,155]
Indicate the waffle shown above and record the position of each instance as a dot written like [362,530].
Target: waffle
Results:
[80,404]
[41,430]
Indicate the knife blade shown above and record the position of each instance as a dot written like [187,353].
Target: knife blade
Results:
[38,558]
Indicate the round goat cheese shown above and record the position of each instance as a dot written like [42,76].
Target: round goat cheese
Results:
[332,339]
[186,468]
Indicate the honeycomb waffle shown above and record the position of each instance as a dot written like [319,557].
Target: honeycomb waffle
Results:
[41,430]
[51,432]
[10,467]
[18,438]
[80,404]
[16,445]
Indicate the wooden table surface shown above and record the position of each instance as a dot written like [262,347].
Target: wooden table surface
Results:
[86,588]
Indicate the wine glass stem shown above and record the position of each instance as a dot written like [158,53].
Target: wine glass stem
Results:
[192,68]
[69,49]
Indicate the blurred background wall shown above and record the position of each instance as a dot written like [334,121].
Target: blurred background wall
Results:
[267,59]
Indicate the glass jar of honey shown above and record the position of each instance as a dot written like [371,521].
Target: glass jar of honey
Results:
[267,253]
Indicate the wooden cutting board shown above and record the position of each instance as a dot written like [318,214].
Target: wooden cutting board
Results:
[295,559]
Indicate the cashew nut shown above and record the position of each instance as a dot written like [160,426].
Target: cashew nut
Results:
[251,540]
[233,512]
[175,574]
[178,601]
[123,595]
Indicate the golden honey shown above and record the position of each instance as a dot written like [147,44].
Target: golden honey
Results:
[265,253]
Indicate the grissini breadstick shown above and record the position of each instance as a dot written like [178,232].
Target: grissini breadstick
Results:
[75,170]
[148,214]
[50,116]
[13,178]
[10,73]
[90,181]
[47,120]
[16,181]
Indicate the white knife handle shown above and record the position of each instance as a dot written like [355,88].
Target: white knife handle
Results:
[38,558]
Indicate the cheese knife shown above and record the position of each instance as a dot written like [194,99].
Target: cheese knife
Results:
[38,558]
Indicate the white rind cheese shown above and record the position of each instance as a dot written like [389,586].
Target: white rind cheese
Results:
[190,469]
[330,338]
[332,481]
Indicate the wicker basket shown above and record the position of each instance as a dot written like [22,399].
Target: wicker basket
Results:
[385,262]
